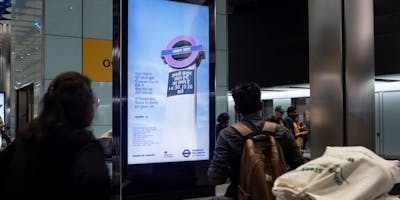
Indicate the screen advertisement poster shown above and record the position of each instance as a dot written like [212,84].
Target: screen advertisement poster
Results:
[168,82]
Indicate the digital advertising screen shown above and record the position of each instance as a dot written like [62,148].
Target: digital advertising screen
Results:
[2,106]
[168,82]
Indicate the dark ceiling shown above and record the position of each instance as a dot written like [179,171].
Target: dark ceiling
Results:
[268,41]
[387,36]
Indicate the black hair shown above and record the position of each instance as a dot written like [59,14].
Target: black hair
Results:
[247,97]
[223,118]
[279,109]
[290,109]
[68,102]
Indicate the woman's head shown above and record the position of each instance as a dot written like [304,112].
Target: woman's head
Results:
[68,100]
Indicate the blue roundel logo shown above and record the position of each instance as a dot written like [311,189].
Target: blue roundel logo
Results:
[186,153]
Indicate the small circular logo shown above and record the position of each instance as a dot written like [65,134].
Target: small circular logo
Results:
[107,63]
[186,153]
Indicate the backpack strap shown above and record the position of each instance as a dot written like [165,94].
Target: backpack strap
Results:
[269,127]
[246,132]
[242,129]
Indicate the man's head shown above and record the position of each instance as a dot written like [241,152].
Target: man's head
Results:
[279,111]
[291,111]
[247,97]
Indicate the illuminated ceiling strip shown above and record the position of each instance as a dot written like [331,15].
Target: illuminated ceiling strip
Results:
[289,93]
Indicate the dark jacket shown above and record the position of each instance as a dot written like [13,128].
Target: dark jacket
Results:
[228,149]
[288,121]
[219,128]
[63,164]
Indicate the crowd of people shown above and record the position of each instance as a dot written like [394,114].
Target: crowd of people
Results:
[56,153]
[292,122]
[292,136]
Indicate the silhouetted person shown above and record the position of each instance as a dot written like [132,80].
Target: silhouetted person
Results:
[223,122]
[289,119]
[277,117]
[55,156]
[299,133]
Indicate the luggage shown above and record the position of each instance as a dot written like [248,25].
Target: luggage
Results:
[261,163]
[353,173]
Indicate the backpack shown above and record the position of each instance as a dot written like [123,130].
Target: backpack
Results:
[261,163]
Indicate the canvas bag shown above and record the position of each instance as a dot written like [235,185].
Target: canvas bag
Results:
[350,173]
[261,163]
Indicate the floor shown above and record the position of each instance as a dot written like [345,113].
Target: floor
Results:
[219,191]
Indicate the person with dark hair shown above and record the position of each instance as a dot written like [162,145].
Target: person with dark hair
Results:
[55,156]
[298,132]
[223,122]
[277,118]
[289,119]
[228,149]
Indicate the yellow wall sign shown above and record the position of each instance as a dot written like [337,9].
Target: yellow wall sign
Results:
[97,57]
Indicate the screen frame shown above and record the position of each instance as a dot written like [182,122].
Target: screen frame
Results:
[143,178]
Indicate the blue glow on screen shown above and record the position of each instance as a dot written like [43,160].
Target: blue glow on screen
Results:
[152,24]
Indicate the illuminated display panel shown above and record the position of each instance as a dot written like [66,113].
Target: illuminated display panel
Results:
[168,82]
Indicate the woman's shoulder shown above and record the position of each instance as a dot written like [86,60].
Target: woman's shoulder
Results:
[81,136]
[67,137]
[89,172]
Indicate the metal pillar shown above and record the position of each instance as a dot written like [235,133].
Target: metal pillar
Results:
[341,56]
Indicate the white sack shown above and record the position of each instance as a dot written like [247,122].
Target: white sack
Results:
[341,173]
